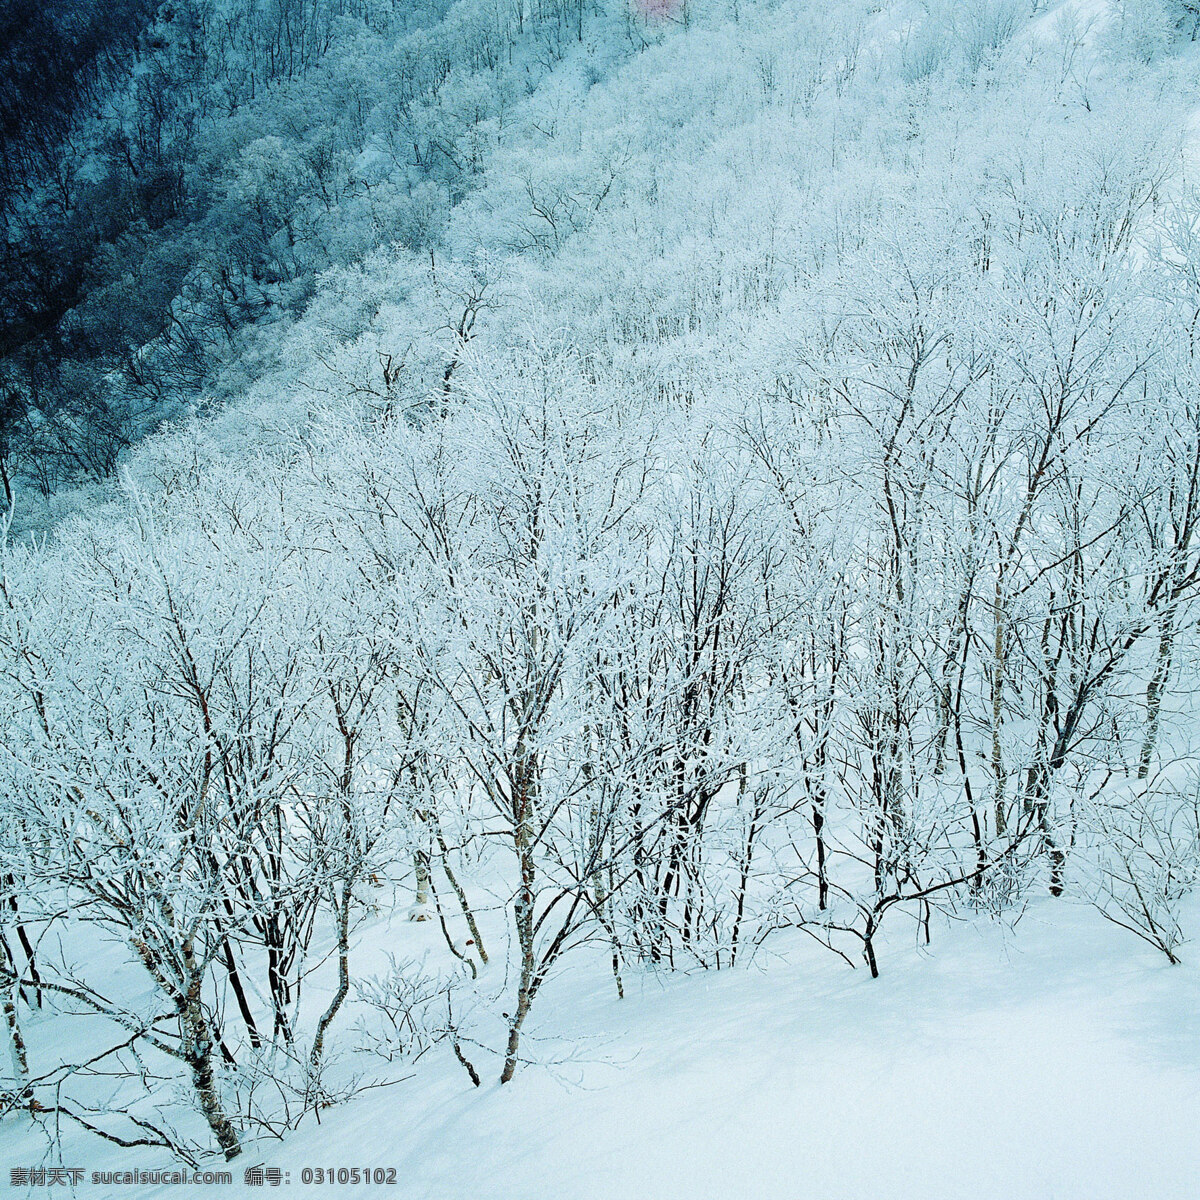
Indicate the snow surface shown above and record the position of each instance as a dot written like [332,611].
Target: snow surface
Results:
[1060,1062]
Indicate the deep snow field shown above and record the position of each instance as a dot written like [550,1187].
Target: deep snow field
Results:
[1057,1062]
[1060,1065]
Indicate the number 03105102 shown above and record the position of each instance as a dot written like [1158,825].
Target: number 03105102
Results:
[348,1175]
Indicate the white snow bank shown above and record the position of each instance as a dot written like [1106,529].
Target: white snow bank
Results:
[1063,1064]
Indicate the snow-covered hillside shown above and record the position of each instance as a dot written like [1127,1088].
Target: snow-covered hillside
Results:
[660,660]
[1058,1061]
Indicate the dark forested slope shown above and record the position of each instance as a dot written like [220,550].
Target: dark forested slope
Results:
[175,174]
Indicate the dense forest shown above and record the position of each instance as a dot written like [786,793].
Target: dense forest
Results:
[175,177]
[613,486]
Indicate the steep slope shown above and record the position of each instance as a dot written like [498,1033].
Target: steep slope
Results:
[177,176]
[696,509]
